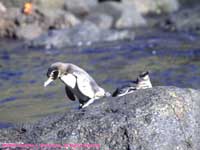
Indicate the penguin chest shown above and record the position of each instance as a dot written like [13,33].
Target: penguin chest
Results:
[72,82]
[69,80]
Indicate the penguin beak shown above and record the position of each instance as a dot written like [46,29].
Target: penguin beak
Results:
[48,82]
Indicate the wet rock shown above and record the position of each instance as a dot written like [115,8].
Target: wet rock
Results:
[162,118]
[79,35]
[154,6]
[80,7]
[102,20]
[29,31]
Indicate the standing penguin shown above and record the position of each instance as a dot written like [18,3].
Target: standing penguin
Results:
[142,82]
[78,83]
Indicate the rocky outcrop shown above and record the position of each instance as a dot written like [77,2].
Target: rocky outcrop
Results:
[161,118]
[186,20]
[155,6]
[65,14]
[102,20]
[80,7]
[124,15]
[80,35]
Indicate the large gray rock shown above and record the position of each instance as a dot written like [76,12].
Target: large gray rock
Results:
[162,118]
[29,31]
[184,20]
[79,35]
[102,20]
[154,6]
[80,7]
[124,15]
[40,3]
[57,19]
[130,18]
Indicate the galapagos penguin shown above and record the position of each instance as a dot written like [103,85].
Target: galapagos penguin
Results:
[78,83]
[142,82]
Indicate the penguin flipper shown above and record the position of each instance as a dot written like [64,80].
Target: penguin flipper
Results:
[85,86]
[69,93]
[115,93]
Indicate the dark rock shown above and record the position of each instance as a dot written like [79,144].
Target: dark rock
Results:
[102,20]
[161,118]
[79,35]
[80,7]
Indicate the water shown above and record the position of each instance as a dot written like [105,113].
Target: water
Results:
[171,58]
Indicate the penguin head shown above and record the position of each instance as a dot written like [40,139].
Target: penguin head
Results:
[144,81]
[144,76]
[52,74]
[57,70]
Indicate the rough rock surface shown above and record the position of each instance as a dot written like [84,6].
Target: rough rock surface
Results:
[162,118]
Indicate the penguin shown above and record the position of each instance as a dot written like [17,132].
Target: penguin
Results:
[142,82]
[78,83]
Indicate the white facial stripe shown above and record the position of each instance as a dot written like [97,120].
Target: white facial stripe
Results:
[69,79]
[48,82]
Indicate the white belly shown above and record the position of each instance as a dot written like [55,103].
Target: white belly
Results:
[69,80]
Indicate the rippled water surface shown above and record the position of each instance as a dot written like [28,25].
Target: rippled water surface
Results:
[172,59]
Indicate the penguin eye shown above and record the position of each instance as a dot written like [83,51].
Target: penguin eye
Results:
[54,74]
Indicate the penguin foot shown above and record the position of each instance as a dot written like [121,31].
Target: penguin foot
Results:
[80,106]
[88,103]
